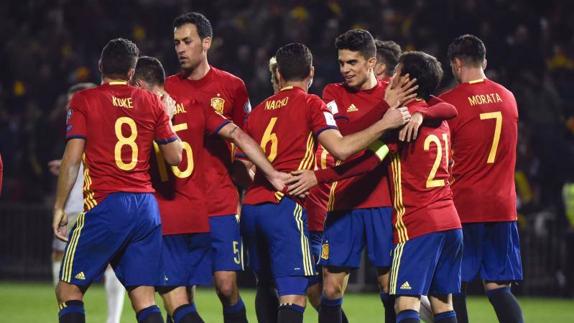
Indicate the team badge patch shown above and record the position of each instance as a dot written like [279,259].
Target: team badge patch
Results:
[325,251]
[218,104]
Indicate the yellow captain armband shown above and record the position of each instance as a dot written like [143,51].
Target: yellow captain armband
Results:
[379,148]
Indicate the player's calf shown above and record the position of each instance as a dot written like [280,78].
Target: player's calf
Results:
[228,293]
[505,304]
[442,308]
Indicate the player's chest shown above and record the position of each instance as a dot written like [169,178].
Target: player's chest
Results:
[218,98]
[353,115]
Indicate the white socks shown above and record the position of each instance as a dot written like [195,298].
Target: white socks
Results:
[115,293]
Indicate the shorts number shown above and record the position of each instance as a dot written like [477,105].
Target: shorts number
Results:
[126,141]
[431,181]
[270,136]
[497,116]
[236,253]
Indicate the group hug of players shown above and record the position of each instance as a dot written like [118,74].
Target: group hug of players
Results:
[397,171]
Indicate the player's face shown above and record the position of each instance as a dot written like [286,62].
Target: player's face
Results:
[190,49]
[355,68]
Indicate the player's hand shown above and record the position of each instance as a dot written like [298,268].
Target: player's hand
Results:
[395,118]
[60,225]
[279,180]
[170,104]
[54,166]
[410,131]
[302,182]
[401,90]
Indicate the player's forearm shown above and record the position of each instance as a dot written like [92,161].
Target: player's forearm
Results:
[66,179]
[252,150]
[439,111]
[351,144]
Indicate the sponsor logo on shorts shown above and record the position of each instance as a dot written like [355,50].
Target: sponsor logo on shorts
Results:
[406,286]
[80,276]
[325,251]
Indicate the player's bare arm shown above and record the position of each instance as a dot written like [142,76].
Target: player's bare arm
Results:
[253,151]
[68,173]
[172,152]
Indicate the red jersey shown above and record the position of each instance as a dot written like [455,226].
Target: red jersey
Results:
[355,111]
[119,123]
[484,139]
[186,210]
[422,199]
[227,95]
[316,202]
[286,124]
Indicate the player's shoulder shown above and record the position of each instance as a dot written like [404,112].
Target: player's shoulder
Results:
[497,86]
[334,88]
[173,80]
[227,77]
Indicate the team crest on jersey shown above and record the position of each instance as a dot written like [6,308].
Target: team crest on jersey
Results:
[325,251]
[218,104]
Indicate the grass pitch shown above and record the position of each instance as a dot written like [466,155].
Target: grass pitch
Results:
[35,302]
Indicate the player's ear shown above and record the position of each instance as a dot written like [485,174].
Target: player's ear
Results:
[131,73]
[206,43]
[372,61]
[484,64]
[312,72]
[100,65]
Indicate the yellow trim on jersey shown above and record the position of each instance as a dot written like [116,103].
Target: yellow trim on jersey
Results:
[476,81]
[305,250]
[308,161]
[118,82]
[89,200]
[68,260]
[286,88]
[397,254]
[398,198]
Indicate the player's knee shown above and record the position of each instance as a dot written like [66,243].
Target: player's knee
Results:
[226,287]
[67,292]
[333,290]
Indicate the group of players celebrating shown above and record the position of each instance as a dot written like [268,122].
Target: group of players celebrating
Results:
[425,183]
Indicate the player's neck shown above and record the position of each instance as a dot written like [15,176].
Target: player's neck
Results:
[300,84]
[370,83]
[199,72]
[472,74]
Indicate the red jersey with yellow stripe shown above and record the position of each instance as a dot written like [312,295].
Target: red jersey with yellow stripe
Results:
[184,208]
[286,125]
[421,195]
[355,111]
[227,95]
[119,123]
[316,202]
[484,136]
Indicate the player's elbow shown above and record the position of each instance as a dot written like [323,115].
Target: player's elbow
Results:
[172,152]
[341,153]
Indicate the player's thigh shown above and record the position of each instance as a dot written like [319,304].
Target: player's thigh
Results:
[501,255]
[343,239]
[226,243]
[379,235]
[446,278]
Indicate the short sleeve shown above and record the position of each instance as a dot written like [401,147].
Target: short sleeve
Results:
[76,119]
[321,118]
[214,121]
[241,105]
[329,99]
[163,132]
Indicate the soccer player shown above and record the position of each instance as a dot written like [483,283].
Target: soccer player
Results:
[227,95]
[388,53]
[111,129]
[484,139]
[187,242]
[115,293]
[287,124]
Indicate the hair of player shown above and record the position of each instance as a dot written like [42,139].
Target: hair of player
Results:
[197,19]
[151,70]
[469,49]
[388,52]
[357,40]
[118,57]
[272,64]
[294,61]
[80,86]
[425,68]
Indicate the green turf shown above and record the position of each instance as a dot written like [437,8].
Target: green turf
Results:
[35,302]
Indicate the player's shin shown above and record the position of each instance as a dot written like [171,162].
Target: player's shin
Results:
[266,303]
[72,312]
[505,305]
[150,314]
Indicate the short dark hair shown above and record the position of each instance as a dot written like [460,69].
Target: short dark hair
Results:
[357,40]
[468,48]
[118,57]
[294,61]
[201,22]
[425,68]
[150,70]
[80,86]
[388,52]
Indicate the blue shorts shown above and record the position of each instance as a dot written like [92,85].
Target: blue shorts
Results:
[428,265]
[278,246]
[491,252]
[226,243]
[316,240]
[187,260]
[347,232]
[123,230]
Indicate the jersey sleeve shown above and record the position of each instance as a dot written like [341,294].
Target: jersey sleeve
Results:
[329,99]
[163,132]
[76,121]
[214,121]
[241,105]
[321,118]
[438,110]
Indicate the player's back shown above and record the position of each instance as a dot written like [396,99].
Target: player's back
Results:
[422,198]
[484,137]
[286,125]
[119,123]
